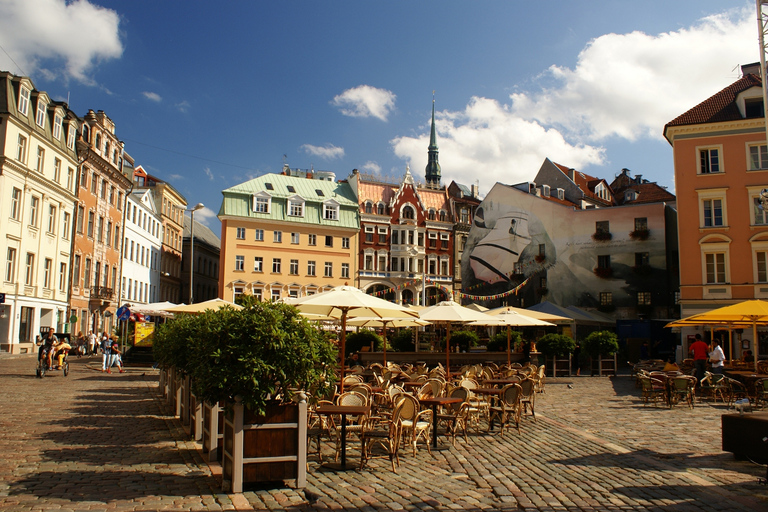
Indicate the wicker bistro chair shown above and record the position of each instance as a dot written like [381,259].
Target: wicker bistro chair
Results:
[653,389]
[382,433]
[540,379]
[683,388]
[528,397]
[736,391]
[713,385]
[318,427]
[761,392]
[507,408]
[414,424]
[456,416]
[354,427]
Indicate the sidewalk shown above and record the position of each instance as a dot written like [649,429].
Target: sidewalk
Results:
[107,442]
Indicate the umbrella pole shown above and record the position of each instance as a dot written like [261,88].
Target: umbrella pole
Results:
[509,336]
[385,344]
[343,343]
[448,351]
[754,340]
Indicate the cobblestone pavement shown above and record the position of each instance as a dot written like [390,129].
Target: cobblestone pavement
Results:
[93,441]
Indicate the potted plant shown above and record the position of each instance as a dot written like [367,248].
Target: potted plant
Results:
[363,338]
[558,347]
[601,236]
[603,272]
[602,347]
[464,339]
[640,234]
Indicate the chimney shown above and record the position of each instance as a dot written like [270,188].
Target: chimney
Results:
[751,69]
[474,189]
[639,179]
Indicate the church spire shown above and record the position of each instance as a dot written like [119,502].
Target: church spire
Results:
[433,166]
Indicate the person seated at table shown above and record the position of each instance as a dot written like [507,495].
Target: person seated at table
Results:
[352,360]
[747,357]
[671,366]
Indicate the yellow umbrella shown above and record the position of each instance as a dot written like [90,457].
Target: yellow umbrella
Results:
[201,307]
[749,312]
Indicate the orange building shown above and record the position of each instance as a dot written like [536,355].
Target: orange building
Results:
[721,167]
[96,258]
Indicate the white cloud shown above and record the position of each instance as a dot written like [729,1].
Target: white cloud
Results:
[365,101]
[630,85]
[152,96]
[624,86]
[327,152]
[57,38]
[205,215]
[208,173]
[371,167]
[183,106]
[489,140]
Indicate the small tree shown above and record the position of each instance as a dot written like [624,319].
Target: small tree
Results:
[403,341]
[464,339]
[362,338]
[499,342]
[552,345]
[601,343]
[172,340]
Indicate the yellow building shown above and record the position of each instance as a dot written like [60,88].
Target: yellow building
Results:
[290,234]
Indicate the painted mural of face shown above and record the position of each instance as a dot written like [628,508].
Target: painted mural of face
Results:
[494,257]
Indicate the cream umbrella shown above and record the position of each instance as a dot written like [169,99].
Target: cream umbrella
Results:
[533,314]
[387,322]
[350,302]
[477,307]
[448,312]
[513,319]
[201,307]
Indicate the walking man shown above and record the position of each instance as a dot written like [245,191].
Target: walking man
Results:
[700,350]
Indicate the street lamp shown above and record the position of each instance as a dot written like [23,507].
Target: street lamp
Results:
[192,211]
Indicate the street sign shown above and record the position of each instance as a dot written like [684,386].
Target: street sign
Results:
[123,313]
[2,298]
[73,319]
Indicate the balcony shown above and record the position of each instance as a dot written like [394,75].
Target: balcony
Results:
[102,293]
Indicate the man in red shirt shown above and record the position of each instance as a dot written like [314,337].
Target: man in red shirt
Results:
[699,349]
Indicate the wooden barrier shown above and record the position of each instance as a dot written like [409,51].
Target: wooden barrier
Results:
[212,431]
[604,365]
[265,448]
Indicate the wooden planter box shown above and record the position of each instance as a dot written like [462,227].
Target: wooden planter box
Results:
[194,416]
[163,383]
[265,448]
[182,411]
[561,366]
[604,365]
[212,431]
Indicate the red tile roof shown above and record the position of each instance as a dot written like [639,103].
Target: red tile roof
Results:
[719,108]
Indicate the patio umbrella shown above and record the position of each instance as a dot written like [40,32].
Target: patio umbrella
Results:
[477,307]
[349,302]
[153,309]
[386,322]
[448,312]
[750,312]
[533,314]
[513,319]
[201,307]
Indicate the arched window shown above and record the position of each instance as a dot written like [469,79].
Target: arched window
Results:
[431,215]
[443,215]
[368,207]
[381,210]
[408,213]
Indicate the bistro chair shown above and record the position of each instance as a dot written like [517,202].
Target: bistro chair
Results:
[528,397]
[382,433]
[507,408]
[713,385]
[736,391]
[653,389]
[414,424]
[354,427]
[761,392]
[683,388]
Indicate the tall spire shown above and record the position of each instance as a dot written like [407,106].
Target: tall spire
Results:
[433,166]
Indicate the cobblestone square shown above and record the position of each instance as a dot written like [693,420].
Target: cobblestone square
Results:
[93,441]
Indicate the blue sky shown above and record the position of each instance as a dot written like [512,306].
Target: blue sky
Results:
[207,95]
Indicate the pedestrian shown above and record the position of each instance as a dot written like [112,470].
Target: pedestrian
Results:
[116,358]
[106,352]
[575,359]
[82,347]
[717,357]
[91,343]
[699,350]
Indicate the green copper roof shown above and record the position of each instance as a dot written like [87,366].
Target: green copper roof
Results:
[238,200]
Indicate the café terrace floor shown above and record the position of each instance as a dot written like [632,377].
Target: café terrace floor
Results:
[93,441]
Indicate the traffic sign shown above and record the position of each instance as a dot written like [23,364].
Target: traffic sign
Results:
[123,313]
[2,298]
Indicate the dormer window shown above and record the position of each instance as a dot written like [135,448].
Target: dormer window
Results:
[368,207]
[295,207]
[40,118]
[443,215]
[630,195]
[560,194]
[269,186]
[431,215]
[57,122]
[23,100]
[262,203]
[753,107]
[408,212]
[291,189]
[545,190]
[331,210]
[380,209]
[319,192]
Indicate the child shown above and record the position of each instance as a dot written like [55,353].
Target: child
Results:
[116,359]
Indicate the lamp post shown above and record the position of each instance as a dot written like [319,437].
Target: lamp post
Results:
[192,211]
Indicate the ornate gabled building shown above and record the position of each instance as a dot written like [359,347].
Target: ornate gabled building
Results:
[38,178]
[98,235]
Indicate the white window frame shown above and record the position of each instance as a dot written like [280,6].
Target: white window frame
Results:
[761,152]
[345,270]
[40,165]
[331,210]
[709,149]
[240,233]
[328,269]
[345,242]
[239,263]
[709,195]
[277,265]
[15,203]
[296,207]
[57,122]
[71,136]
[757,217]
[258,264]
[293,267]
[277,237]
[312,239]
[23,105]
[259,235]
[295,238]
[262,203]
[65,226]
[715,244]
[41,112]
[21,149]
[311,268]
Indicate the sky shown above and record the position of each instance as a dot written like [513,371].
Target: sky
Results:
[207,95]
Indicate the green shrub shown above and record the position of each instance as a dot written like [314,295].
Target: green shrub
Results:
[555,345]
[362,338]
[601,343]
[403,341]
[499,341]
[172,340]
[261,353]
[464,339]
